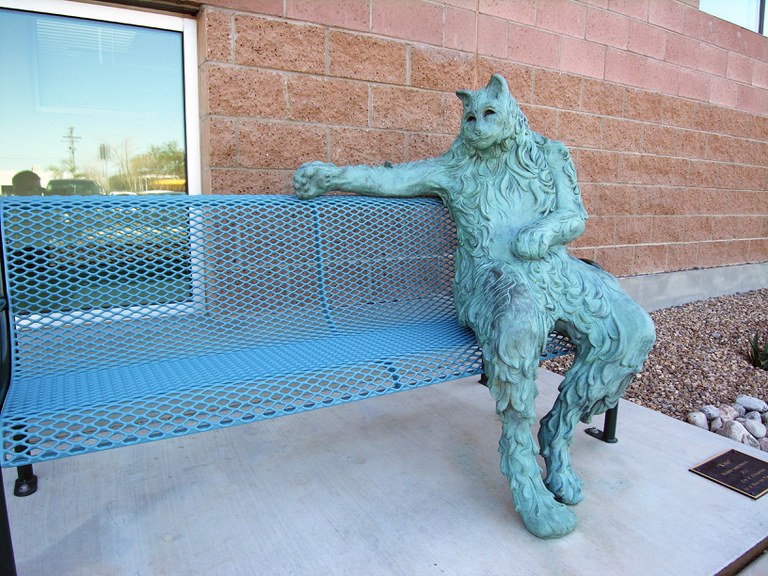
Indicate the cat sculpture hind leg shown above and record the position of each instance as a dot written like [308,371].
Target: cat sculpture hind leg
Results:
[613,336]
[513,196]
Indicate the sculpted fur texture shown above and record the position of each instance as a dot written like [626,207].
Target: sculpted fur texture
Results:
[514,197]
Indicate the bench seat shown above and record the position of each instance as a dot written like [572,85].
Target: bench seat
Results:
[139,318]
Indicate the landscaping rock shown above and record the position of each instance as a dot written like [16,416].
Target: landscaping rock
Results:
[716,424]
[737,432]
[699,419]
[752,403]
[710,411]
[754,415]
[755,428]
[763,442]
[728,413]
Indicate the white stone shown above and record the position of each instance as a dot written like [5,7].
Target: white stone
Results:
[755,428]
[737,432]
[754,415]
[710,411]
[752,403]
[728,413]
[716,424]
[740,410]
[765,418]
[763,442]
[698,419]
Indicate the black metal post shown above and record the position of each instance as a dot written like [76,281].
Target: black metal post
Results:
[608,434]
[26,481]
[7,561]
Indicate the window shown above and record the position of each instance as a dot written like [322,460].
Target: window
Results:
[96,100]
[749,14]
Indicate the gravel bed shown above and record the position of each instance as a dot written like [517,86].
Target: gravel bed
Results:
[700,355]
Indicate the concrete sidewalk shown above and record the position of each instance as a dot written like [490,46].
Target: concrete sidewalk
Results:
[407,484]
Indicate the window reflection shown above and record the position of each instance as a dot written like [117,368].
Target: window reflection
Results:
[90,107]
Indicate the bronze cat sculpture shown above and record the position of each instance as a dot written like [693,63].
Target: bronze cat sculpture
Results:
[515,201]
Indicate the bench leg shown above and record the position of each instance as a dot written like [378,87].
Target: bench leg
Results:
[26,482]
[7,561]
[608,434]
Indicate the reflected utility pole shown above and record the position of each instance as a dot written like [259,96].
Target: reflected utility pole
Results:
[70,138]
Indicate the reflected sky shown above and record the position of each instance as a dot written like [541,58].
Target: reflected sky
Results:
[114,84]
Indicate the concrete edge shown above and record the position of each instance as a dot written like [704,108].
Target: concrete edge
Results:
[744,561]
[654,291]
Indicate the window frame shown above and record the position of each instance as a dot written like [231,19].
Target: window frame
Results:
[187,26]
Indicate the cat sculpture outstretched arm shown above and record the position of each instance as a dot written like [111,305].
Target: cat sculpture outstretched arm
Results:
[424,178]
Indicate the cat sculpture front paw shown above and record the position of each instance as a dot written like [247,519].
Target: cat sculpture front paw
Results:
[532,243]
[313,179]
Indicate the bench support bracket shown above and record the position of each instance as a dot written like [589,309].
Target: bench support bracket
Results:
[26,482]
[608,434]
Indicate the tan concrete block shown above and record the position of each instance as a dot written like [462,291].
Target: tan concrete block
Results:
[355,146]
[440,69]
[683,256]
[578,129]
[240,91]
[242,181]
[218,141]
[409,19]
[452,113]
[279,45]
[367,58]
[619,199]
[661,140]
[328,101]
[541,120]
[757,250]
[678,112]
[597,166]
[633,230]
[642,105]
[692,144]
[650,258]
[280,146]
[621,135]
[460,28]
[647,169]
[215,35]
[518,76]
[599,231]
[618,260]
[603,98]
[351,14]
[422,146]
[407,109]
[557,90]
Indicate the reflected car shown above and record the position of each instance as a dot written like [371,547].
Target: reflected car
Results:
[73,187]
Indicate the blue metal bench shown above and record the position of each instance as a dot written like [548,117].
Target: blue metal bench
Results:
[130,319]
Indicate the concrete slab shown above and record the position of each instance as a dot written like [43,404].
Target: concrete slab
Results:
[404,484]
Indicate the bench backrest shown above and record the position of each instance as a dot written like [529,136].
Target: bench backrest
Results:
[94,282]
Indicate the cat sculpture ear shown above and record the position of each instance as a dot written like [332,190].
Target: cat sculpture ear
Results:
[465,96]
[498,85]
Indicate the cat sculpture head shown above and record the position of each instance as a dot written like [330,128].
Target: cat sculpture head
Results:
[491,115]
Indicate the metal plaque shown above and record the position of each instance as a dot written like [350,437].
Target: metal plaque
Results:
[738,471]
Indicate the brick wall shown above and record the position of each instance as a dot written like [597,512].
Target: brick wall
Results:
[664,108]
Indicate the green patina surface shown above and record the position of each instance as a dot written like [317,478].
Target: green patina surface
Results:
[514,197]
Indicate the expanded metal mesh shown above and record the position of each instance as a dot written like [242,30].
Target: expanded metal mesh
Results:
[140,318]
